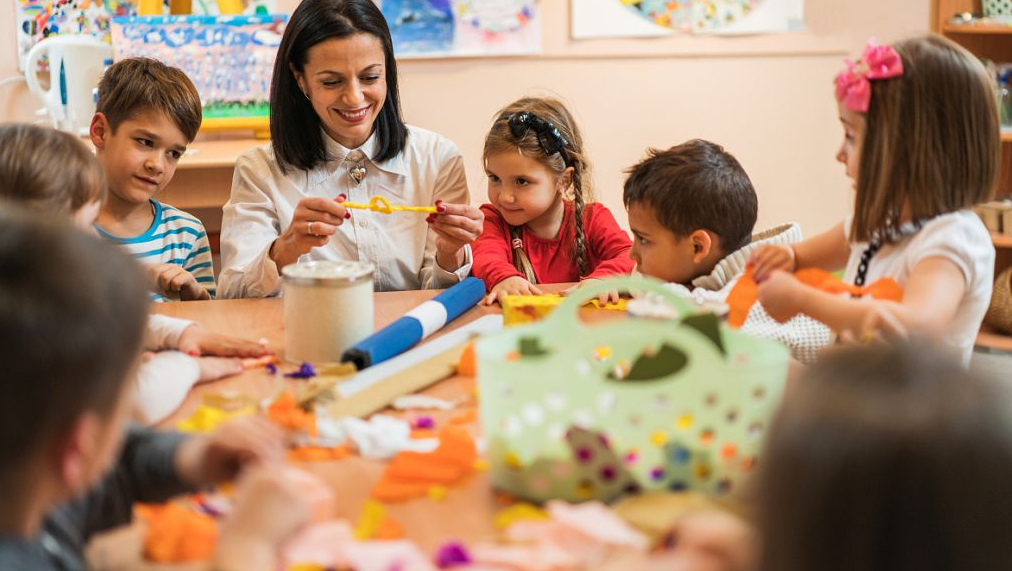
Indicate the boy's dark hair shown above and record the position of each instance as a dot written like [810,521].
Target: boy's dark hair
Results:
[136,85]
[696,185]
[888,458]
[72,315]
[295,127]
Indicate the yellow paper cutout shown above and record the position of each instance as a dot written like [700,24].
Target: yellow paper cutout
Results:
[382,205]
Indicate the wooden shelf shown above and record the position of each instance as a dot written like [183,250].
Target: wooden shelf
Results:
[217,153]
[986,29]
[993,340]
[1001,240]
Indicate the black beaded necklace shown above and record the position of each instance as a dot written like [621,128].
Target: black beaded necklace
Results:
[878,239]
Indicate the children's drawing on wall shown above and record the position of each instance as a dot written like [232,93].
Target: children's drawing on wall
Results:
[39,19]
[652,18]
[427,28]
[229,58]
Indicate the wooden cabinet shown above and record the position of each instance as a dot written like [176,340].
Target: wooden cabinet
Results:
[993,42]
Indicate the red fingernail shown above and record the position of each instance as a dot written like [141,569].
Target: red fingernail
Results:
[341,197]
[347,215]
[430,219]
[193,353]
[440,207]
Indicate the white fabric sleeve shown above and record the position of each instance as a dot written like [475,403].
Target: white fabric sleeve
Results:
[962,240]
[163,332]
[451,187]
[249,226]
[163,383]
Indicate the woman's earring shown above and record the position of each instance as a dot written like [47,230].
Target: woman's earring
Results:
[306,94]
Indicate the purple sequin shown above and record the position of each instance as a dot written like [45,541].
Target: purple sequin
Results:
[584,454]
[306,371]
[272,368]
[425,422]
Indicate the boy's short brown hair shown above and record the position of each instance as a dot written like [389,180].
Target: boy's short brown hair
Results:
[72,315]
[696,185]
[135,85]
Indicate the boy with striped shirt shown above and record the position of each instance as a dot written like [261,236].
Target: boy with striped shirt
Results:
[147,113]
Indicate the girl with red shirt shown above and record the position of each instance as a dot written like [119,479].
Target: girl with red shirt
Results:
[540,225]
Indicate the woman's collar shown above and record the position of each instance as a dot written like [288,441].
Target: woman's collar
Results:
[338,153]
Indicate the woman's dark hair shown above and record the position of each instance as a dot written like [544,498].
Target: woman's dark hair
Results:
[888,459]
[295,127]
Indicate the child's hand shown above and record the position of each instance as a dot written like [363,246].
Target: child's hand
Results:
[220,456]
[515,285]
[878,324]
[214,368]
[455,225]
[767,259]
[196,341]
[268,508]
[778,295]
[171,279]
[605,298]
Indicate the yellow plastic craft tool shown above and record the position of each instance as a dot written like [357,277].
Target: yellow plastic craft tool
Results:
[382,205]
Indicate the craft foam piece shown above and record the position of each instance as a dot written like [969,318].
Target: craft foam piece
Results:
[375,388]
[745,292]
[207,418]
[177,534]
[410,474]
[667,432]
[285,412]
[521,511]
[520,309]
[416,324]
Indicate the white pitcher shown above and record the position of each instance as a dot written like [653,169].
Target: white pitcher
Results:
[76,63]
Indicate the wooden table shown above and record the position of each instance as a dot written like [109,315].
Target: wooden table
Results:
[466,514]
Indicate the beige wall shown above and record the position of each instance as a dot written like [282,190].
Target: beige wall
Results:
[767,99]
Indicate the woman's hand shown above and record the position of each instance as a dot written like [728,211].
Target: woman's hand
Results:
[314,221]
[515,285]
[779,295]
[456,226]
[767,259]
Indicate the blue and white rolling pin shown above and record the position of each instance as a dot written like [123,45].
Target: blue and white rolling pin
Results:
[416,324]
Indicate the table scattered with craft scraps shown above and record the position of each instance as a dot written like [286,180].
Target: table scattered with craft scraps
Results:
[467,512]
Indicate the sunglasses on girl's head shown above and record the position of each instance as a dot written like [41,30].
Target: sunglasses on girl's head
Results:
[551,139]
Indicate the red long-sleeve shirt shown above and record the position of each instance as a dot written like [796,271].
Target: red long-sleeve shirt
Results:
[554,259]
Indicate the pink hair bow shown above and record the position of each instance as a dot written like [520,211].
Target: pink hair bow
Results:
[853,85]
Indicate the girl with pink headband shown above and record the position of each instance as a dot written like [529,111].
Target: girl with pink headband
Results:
[921,143]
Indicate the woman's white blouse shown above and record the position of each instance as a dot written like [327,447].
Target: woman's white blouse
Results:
[400,244]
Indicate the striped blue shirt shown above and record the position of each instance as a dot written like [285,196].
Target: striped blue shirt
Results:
[174,237]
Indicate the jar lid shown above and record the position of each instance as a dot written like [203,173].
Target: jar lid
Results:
[328,273]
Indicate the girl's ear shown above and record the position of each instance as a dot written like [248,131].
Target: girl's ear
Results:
[563,183]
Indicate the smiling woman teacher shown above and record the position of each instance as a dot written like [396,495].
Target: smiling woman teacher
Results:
[337,134]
